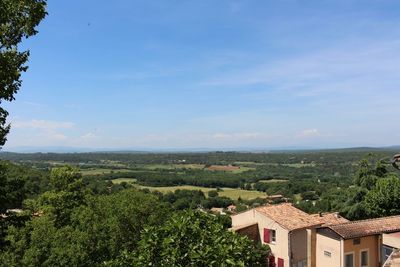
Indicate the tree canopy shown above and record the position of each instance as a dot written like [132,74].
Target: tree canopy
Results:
[193,238]
[18,20]
[384,198]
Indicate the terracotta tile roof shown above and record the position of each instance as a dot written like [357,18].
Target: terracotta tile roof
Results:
[367,227]
[329,218]
[288,216]
[239,227]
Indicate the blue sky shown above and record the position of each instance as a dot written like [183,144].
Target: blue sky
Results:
[211,74]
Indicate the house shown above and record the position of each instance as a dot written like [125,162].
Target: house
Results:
[329,218]
[273,198]
[218,211]
[390,251]
[10,211]
[357,243]
[284,228]
[231,208]
[298,239]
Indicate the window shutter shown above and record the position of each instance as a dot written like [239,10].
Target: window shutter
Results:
[271,262]
[280,262]
[267,235]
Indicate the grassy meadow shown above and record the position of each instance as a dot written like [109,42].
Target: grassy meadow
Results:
[232,193]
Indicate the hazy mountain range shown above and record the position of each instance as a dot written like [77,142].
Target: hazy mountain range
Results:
[66,149]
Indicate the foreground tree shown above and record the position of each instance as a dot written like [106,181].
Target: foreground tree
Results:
[369,175]
[101,229]
[193,238]
[18,20]
[384,199]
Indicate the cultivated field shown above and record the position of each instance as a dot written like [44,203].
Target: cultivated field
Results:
[96,171]
[171,166]
[229,168]
[274,181]
[227,192]
[126,180]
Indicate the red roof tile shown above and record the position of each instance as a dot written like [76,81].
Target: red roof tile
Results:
[329,218]
[367,227]
[288,216]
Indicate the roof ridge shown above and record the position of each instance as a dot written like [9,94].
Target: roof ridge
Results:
[367,220]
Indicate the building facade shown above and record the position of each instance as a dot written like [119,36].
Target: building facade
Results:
[298,239]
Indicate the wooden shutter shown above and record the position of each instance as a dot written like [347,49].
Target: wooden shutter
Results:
[280,262]
[267,235]
[271,261]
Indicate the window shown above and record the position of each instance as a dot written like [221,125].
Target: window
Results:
[273,236]
[349,260]
[269,236]
[386,251]
[364,258]
[327,253]
[356,241]
[302,263]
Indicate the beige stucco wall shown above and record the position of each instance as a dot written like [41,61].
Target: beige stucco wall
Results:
[370,243]
[391,240]
[243,218]
[324,243]
[280,249]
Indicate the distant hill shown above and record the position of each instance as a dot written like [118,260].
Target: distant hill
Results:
[62,149]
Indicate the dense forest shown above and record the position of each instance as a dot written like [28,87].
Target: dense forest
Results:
[62,222]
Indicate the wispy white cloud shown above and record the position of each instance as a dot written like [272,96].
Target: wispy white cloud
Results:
[57,137]
[33,104]
[238,136]
[88,136]
[42,124]
[309,133]
[38,132]
[353,67]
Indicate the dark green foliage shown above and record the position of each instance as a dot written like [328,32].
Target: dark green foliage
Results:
[16,184]
[307,206]
[384,198]
[212,193]
[368,175]
[196,239]
[96,231]
[184,199]
[12,191]
[363,199]
[18,20]
[309,195]
[216,202]
[225,220]
[68,192]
